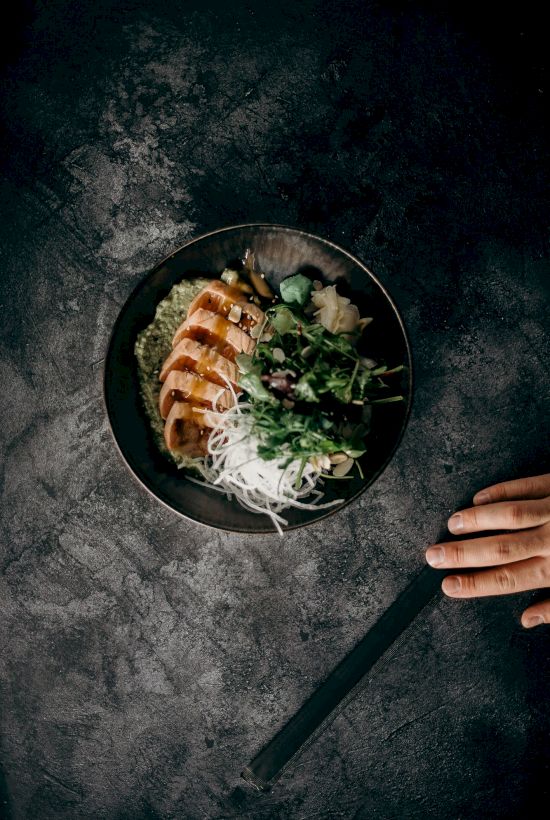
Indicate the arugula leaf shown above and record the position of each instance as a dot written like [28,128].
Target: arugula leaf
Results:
[296,289]
[304,389]
[330,373]
[364,378]
[252,383]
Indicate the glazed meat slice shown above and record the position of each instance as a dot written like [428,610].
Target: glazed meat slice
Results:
[181,385]
[228,302]
[212,329]
[187,429]
[202,359]
[219,325]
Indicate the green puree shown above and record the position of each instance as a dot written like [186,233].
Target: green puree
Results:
[153,346]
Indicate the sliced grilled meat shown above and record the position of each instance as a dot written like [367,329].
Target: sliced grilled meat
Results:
[181,385]
[212,329]
[187,428]
[230,303]
[202,359]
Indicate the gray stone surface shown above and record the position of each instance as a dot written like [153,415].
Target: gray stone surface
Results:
[145,659]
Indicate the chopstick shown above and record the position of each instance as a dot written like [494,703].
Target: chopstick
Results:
[342,684]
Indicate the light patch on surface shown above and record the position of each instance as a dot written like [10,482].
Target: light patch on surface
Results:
[129,188]
[126,243]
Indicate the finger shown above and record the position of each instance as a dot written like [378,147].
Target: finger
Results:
[537,486]
[490,550]
[529,574]
[536,614]
[505,515]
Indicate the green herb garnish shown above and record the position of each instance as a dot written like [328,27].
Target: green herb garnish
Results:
[307,386]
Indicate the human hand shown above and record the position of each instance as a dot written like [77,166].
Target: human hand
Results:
[520,560]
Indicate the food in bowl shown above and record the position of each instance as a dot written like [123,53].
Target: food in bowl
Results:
[262,396]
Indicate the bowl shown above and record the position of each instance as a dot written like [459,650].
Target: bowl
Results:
[280,251]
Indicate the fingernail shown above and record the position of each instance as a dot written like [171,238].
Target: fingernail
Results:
[435,556]
[451,584]
[481,498]
[534,620]
[456,523]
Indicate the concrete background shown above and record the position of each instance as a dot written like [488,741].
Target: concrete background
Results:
[145,660]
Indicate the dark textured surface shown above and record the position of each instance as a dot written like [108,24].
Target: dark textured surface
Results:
[145,659]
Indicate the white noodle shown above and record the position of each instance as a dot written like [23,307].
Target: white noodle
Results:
[233,467]
[262,486]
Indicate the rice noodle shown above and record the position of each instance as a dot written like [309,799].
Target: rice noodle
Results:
[265,487]
[262,486]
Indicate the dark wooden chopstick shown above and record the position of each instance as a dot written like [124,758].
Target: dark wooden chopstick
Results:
[342,683]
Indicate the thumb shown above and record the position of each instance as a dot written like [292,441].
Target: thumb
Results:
[536,614]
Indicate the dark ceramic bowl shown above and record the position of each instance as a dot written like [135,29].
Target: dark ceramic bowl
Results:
[280,252]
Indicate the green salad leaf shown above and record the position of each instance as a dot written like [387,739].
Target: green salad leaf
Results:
[310,401]
[304,388]
[252,383]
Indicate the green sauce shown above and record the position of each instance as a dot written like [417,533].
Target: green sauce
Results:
[153,346]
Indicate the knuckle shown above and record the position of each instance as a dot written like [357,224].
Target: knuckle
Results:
[503,550]
[530,486]
[516,514]
[540,541]
[508,490]
[469,583]
[500,491]
[505,580]
[543,571]
[458,554]
[472,519]
[543,539]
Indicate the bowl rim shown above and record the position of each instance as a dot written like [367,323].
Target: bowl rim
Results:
[410,380]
